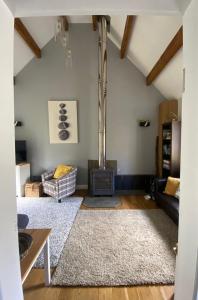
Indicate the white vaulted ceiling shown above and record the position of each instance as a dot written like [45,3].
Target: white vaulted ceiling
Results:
[150,37]
[42,30]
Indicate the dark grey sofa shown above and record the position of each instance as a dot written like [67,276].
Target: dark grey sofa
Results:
[22,221]
[168,203]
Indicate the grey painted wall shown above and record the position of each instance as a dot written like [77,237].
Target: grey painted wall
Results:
[129,99]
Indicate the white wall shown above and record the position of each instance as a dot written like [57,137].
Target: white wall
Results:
[188,229]
[10,283]
[180,109]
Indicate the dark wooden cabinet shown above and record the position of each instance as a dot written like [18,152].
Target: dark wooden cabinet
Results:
[171,148]
[168,110]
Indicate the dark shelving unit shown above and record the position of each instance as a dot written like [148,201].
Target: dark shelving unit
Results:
[171,146]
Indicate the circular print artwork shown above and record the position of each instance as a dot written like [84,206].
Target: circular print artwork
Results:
[63,133]
[62,105]
[63,125]
[62,111]
[62,118]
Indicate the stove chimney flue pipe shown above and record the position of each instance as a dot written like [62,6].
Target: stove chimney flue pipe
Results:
[103,27]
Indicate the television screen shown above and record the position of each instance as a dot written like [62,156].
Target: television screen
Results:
[21,153]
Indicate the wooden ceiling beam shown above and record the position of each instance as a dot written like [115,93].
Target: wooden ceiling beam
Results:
[26,36]
[66,23]
[94,23]
[127,35]
[174,46]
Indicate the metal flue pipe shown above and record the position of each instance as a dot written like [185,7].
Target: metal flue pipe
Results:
[102,90]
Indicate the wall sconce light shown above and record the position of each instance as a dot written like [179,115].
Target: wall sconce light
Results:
[18,124]
[144,123]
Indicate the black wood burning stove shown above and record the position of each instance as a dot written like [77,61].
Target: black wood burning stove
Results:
[102,182]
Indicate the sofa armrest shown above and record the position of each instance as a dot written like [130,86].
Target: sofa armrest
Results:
[47,175]
[160,184]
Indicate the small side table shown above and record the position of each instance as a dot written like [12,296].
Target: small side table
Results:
[40,242]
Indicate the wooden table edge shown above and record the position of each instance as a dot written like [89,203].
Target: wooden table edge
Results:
[29,231]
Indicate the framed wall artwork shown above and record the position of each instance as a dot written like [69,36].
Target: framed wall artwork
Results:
[63,124]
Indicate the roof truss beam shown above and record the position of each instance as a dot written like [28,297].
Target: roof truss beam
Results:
[174,46]
[26,36]
[127,36]
[65,23]
[94,23]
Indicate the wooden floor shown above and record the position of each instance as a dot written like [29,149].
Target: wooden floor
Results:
[131,202]
[34,288]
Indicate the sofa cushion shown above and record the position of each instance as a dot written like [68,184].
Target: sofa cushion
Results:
[62,170]
[172,186]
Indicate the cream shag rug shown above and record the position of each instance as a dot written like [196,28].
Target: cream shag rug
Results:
[118,247]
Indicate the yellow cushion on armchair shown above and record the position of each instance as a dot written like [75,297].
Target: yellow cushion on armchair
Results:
[62,170]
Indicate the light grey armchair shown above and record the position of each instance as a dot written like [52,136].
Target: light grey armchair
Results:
[59,188]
